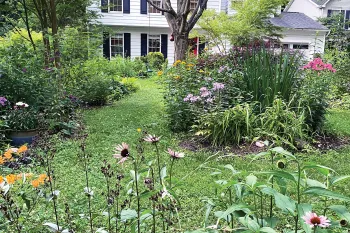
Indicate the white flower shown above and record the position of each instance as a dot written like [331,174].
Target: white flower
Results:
[22,104]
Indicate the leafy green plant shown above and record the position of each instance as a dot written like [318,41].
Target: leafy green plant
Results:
[155,60]
[267,75]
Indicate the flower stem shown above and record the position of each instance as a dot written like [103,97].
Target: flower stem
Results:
[158,162]
[298,192]
[137,196]
[153,208]
[171,171]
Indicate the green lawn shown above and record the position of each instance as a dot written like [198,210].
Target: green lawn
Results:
[111,125]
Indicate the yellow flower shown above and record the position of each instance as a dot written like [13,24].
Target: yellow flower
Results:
[139,130]
[177,62]
[206,48]
[190,65]
[2,161]
[160,73]
[11,179]
[201,71]
[177,77]
[29,175]
[183,63]
[22,149]
[35,183]
[1,179]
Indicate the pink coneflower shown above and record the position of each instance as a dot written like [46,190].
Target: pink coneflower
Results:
[175,155]
[122,152]
[188,97]
[151,138]
[316,221]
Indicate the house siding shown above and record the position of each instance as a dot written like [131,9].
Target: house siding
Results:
[135,42]
[315,40]
[308,8]
[142,20]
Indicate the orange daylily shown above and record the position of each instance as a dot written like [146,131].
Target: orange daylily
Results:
[35,183]
[1,179]
[11,179]
[22,149]
[8,154]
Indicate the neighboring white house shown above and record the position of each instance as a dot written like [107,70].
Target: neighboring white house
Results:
[140,28]
[316,9]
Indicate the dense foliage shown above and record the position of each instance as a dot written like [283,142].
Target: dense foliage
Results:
[251,93]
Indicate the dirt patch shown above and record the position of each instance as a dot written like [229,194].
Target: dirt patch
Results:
[330,142]
[322,143]
[193,144]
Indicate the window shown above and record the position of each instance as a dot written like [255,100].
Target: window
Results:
[345,16]
[193,4]
[115,5]
[117,48]
[300,46]
[285,46]
[154,43]
[151,9]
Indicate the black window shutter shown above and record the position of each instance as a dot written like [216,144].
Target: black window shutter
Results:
[127,44]
[347,19]
[104,6]
[126,6]
[329,13]
[164,45]
[106,46]
[143,44]
[201,47]
[144,7]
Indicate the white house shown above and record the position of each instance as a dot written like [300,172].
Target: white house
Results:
[140,28]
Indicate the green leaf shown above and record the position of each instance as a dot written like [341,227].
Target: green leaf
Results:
[322,169]
[128,214]
[281,174]
[341,211]
[281,151]
[267,230]
[234,208]
[283,202]
[251,180]
[249,223]
[318,191]
[315,183]
[302,210]
[163,173]
[230,167]
[337,179]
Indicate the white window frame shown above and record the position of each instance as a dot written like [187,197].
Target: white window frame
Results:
[109,8]
[160,42]
[192,1]
[110,44]
[154,13]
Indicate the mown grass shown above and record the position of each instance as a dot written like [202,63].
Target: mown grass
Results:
[111,125]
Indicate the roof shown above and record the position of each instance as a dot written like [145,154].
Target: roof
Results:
[296,20]
[320,2]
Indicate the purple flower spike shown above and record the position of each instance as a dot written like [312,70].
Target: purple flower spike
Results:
[218,86]
[3,101]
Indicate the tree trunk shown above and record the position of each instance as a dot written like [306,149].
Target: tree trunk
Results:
[54,33]
[181,46]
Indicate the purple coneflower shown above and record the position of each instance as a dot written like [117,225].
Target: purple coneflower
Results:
[152,138]
[122,152]
[316,221]
[188,97]
[3,101]
[175,155]
[218,86]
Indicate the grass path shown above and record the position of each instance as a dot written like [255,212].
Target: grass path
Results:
[111,125]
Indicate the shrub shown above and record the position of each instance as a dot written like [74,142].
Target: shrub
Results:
[130,84]
[155,60]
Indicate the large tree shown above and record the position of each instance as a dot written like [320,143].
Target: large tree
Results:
[181,22]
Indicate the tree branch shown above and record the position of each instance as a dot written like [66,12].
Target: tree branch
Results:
[171,11]
[196,14]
